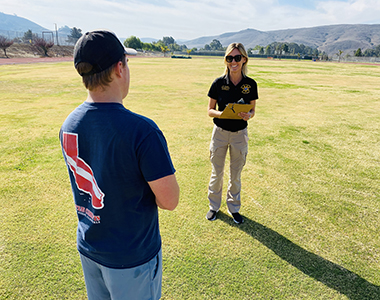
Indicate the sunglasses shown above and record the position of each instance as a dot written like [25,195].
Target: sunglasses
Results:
[230,58]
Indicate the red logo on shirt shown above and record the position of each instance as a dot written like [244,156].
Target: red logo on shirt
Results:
[84,177]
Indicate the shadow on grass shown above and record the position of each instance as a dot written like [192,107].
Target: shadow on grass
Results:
[330,274]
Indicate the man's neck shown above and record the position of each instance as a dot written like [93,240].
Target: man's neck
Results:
[105,95]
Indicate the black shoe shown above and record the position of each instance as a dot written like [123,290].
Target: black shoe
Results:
[211,215]
[238,219]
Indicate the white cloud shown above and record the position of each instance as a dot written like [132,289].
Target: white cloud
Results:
[350,12]
[188,19]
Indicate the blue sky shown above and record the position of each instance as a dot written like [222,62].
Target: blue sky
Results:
[308,4]
[189,19]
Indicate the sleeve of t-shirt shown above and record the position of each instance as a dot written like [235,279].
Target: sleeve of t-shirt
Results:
[213,92]
[255,93]
[154,157]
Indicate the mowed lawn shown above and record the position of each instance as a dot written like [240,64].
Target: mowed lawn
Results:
[310,193]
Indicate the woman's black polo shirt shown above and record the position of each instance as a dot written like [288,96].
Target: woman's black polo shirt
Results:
[224,92]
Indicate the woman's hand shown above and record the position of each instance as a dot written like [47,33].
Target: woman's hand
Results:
[246,116]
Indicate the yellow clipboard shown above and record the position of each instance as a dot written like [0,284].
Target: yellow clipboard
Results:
[233,109]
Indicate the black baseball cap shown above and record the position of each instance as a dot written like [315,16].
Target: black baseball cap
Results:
[101,49]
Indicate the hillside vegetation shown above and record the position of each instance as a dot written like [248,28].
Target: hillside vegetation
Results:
[329,39]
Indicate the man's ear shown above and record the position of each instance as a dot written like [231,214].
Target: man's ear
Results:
[119,69]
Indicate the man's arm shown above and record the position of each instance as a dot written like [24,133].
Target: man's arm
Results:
[166,190]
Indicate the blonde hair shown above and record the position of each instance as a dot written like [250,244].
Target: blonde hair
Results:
[242,51]
[102,79]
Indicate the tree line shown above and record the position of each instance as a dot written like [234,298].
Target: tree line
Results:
[168,44]
[375,52]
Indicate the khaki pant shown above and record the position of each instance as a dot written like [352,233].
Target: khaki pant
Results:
[237,143]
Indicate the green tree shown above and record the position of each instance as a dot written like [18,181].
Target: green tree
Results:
[377,50]
[168,40]
[145,46]
[279,50]
[28,36]
[359,52]
[74,35]
[257,47]
[285,48]
[268,50]
[164,49]
[324,56]
[133,42]
[216,45]
[207,47]
[369,53]
[4,44]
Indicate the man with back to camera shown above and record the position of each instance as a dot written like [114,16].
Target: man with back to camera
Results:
[120,172]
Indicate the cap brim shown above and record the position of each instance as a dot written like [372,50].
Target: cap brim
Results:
[130,51]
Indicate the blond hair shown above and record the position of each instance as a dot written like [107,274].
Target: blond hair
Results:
[101,79]
[242,51]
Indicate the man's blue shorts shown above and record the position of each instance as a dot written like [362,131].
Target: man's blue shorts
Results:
[140,283]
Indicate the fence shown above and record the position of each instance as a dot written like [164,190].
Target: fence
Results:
[359,59]
[58,39]
[221,53]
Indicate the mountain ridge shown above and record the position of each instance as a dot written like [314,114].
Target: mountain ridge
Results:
[327,38]
[16,23]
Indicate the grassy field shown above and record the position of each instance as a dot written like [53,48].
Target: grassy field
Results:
[310,196]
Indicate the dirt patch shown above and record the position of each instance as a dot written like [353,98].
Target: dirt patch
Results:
[31,60]
[24,53]
[27,50]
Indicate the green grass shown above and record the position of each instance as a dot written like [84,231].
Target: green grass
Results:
[310,195]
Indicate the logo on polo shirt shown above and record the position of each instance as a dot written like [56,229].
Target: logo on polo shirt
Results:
[225,88]
[245,88]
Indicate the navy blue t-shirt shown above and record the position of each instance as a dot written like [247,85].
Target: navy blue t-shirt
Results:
[225,92]
[111,154]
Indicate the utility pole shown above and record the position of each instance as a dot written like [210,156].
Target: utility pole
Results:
[56,32]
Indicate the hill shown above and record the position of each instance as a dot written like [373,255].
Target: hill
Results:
[15,23]
[13,26]
[329,39]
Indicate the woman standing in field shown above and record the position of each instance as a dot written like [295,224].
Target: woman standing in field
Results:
[233,87]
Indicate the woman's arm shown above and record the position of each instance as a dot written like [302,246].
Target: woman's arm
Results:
[212,112]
